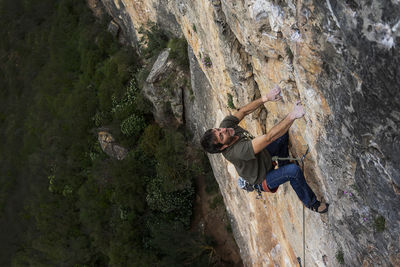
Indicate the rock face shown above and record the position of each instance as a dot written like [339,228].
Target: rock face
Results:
[108,145]
[113,28]
[341,59]
[164,88]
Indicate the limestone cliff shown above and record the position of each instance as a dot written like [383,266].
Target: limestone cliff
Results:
[341,59]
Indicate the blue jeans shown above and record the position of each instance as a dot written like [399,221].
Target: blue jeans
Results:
[288,172]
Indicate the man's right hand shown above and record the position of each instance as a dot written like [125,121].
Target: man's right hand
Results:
[297,112]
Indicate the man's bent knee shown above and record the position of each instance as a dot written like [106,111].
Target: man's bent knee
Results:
[292,169]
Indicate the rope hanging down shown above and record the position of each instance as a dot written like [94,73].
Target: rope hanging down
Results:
[301,160]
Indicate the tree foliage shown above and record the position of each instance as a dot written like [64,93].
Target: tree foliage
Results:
[61,77]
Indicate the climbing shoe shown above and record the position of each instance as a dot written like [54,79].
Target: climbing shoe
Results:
[320,207]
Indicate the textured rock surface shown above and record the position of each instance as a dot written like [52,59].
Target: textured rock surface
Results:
[108,145]
[97,8]
[113,28]
[341,59]
[164,88]
[159,67]
[131,15]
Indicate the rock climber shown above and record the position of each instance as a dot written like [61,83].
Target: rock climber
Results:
[252,157]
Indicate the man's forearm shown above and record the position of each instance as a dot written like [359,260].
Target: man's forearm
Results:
[260,142]
[280,129]
[272,95]
[252,106]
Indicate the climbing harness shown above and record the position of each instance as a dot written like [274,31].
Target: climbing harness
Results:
[243,184]
[259,196]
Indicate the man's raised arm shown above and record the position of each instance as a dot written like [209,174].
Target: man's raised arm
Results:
[273,95]
[260,142]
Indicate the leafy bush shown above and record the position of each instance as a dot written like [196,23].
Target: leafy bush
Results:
[179,201]
[172,165]
[150,139]
[64,76]
[207,61]
[133,125]
[6,186]
[340,257]
[217,201]
[179,247]
[289,53]
[143,73]
[179,51]
[153,41]
[101,118]
[230,101]
[124,106]
[379,223]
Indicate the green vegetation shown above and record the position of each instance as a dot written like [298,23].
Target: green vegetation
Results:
[379,223]
[207,61]
[217,201]
[211,183]
[169,82]
[194,28]
[356,189]
[61,78]
[153,41]
[289,53]
[340,257]
[179,51]
[230,101]
[228,227]
[188,85]
[133,125]
[7,184]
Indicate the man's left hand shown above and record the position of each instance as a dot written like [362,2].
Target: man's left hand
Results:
[273,95]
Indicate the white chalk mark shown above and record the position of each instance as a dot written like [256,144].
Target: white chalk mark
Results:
[333,14]
[394,28]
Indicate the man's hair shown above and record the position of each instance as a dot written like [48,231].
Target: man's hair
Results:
[208,142]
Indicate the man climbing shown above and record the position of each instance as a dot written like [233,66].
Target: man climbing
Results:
[252,156]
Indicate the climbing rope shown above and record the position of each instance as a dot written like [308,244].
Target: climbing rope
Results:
[304,225]
[301,160]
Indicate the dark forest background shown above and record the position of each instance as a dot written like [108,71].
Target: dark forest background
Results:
[63,202]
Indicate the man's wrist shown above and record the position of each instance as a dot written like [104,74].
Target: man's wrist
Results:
[291,116]
[264,99]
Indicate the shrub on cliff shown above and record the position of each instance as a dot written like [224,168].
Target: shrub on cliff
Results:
[150,139]
[133,125]
[153,40]
[179,51]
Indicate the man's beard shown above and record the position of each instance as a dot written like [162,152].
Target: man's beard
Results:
[229,140]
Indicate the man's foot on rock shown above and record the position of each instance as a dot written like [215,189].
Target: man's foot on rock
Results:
[320,207]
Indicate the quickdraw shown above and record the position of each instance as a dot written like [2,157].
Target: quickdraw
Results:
[301,159]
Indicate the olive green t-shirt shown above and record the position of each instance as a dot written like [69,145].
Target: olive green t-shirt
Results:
[251,167]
